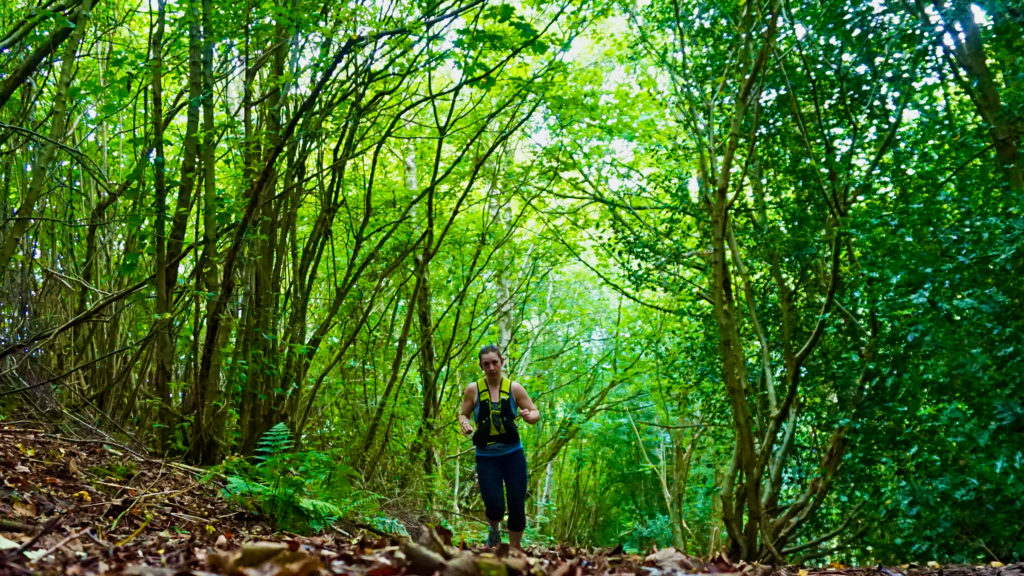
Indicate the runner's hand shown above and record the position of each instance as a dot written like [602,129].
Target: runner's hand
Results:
[467,428]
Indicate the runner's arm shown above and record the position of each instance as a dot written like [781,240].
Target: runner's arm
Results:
[466,410]
[527,409]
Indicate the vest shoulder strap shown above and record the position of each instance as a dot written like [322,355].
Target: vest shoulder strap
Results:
[504,392]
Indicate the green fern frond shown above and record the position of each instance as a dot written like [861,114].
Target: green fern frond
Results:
[237,485]
[275,441]
[320,508]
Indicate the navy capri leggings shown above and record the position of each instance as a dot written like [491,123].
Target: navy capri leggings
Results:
[504,477]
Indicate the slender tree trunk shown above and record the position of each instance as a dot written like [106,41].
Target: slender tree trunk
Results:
[263,398]
[370,435]
[425,320]
[501,279]
[186,191]
[163,361]
[207,443]
[43,164]
[73,27]
[741,490]
[1005,125]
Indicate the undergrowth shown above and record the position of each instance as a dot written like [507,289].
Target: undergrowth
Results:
[301,492]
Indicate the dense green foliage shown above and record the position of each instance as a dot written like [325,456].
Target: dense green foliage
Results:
[297,491]
[757,262]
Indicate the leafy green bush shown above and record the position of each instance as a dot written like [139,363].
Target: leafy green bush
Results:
[298,491]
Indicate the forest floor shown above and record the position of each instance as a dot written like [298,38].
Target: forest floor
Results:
[82,507]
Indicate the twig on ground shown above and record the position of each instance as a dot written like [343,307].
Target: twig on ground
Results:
[460,514]
[141,497]
[47,528]
[106,442]
[60,544]
[15,526]
[186,517]
[138,531]
[11,565]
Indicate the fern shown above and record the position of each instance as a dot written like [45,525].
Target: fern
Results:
[297,491]
[239,486]
[320,514]
[277,440]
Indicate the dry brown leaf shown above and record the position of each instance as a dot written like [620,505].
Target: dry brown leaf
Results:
[462,565]
[518,562]
[143,570]
[562,569]
[670,559]
[492,567]
[255,553]
[303,567]
[383,570]
[25,509]
[422,560]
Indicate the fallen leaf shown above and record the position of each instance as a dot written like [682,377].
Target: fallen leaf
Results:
[26,509]
[382,570]
[34,555]
[488,567]
[422,560]
[6,544]
[141,570]
[670,559]
[562,569]
[802,572]
[463,565]
[255,553]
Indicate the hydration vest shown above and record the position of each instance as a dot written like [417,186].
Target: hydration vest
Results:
[493,428]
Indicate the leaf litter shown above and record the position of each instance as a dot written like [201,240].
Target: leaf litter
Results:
[89,507]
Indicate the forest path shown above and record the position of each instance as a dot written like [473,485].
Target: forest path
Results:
[83,507]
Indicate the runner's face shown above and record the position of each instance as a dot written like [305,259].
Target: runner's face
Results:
[491,363]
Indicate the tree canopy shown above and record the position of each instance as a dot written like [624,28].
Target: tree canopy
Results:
[756,261]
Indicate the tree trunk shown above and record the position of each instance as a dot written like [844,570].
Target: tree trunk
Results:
[370,436]
[258,351]
[1005,125]
[424,322]
[207,443]
[741,489]
[74,28]
[42,165]
[163,361]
